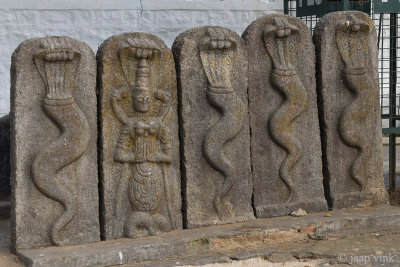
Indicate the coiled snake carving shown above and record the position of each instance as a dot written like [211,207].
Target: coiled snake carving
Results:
[280,41]
[57,64]
[352,41]
[217,53]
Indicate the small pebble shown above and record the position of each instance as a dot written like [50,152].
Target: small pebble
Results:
[299,213]
[328,215]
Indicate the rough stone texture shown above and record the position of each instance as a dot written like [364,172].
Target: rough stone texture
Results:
[262,237]
[285,140]
[4,157]
[348,92]
[212,77]
[93,21]
[139,137]
[53,144]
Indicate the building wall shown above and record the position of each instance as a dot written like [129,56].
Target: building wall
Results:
[93,21]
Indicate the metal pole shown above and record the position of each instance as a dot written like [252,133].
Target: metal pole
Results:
[392,100]
[286,6]
[345,6]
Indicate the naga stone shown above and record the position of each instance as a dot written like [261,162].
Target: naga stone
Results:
[139,140]
[285,140]
[53,144]
[348,94]
[212,77]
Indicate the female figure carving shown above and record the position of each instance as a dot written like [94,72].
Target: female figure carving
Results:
[143,145]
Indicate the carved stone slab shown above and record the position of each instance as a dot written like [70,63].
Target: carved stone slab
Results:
[348,92]
[53,144]
[139,164]
[212,74]
[285,142]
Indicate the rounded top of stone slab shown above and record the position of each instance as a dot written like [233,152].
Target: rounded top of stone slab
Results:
[257,27]
[334,18]
[199,32]
[140,38]
[37,43]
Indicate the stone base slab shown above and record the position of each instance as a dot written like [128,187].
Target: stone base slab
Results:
[283,209]
[358,200]
[215,239]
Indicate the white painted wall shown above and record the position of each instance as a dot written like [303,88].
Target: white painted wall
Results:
[93,21]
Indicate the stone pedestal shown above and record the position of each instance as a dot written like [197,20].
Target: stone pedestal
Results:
[348,92]
[139,160]
[285,140]
[53,144]
[212,78]
[313,234]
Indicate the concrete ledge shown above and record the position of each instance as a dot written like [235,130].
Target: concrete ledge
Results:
[216,239]
[275,210]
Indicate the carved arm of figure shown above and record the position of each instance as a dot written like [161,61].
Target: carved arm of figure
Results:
[122,152]
[165,155]
[116,96]
[165,98]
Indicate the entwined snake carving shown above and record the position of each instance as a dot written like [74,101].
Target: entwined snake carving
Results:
[57,64]
[217,53]
[352,40]
[280,39]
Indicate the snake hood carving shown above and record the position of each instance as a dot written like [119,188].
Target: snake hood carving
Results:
[57,64]
[352,41]
[280,42]
[217,54]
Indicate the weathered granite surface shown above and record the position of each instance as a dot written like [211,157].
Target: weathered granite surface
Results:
[348,92]
[212,78]
[285,140]
[5,157]
[303,236]
[53,144]
[139,160]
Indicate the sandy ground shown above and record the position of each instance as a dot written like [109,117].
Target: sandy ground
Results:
[259,262]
